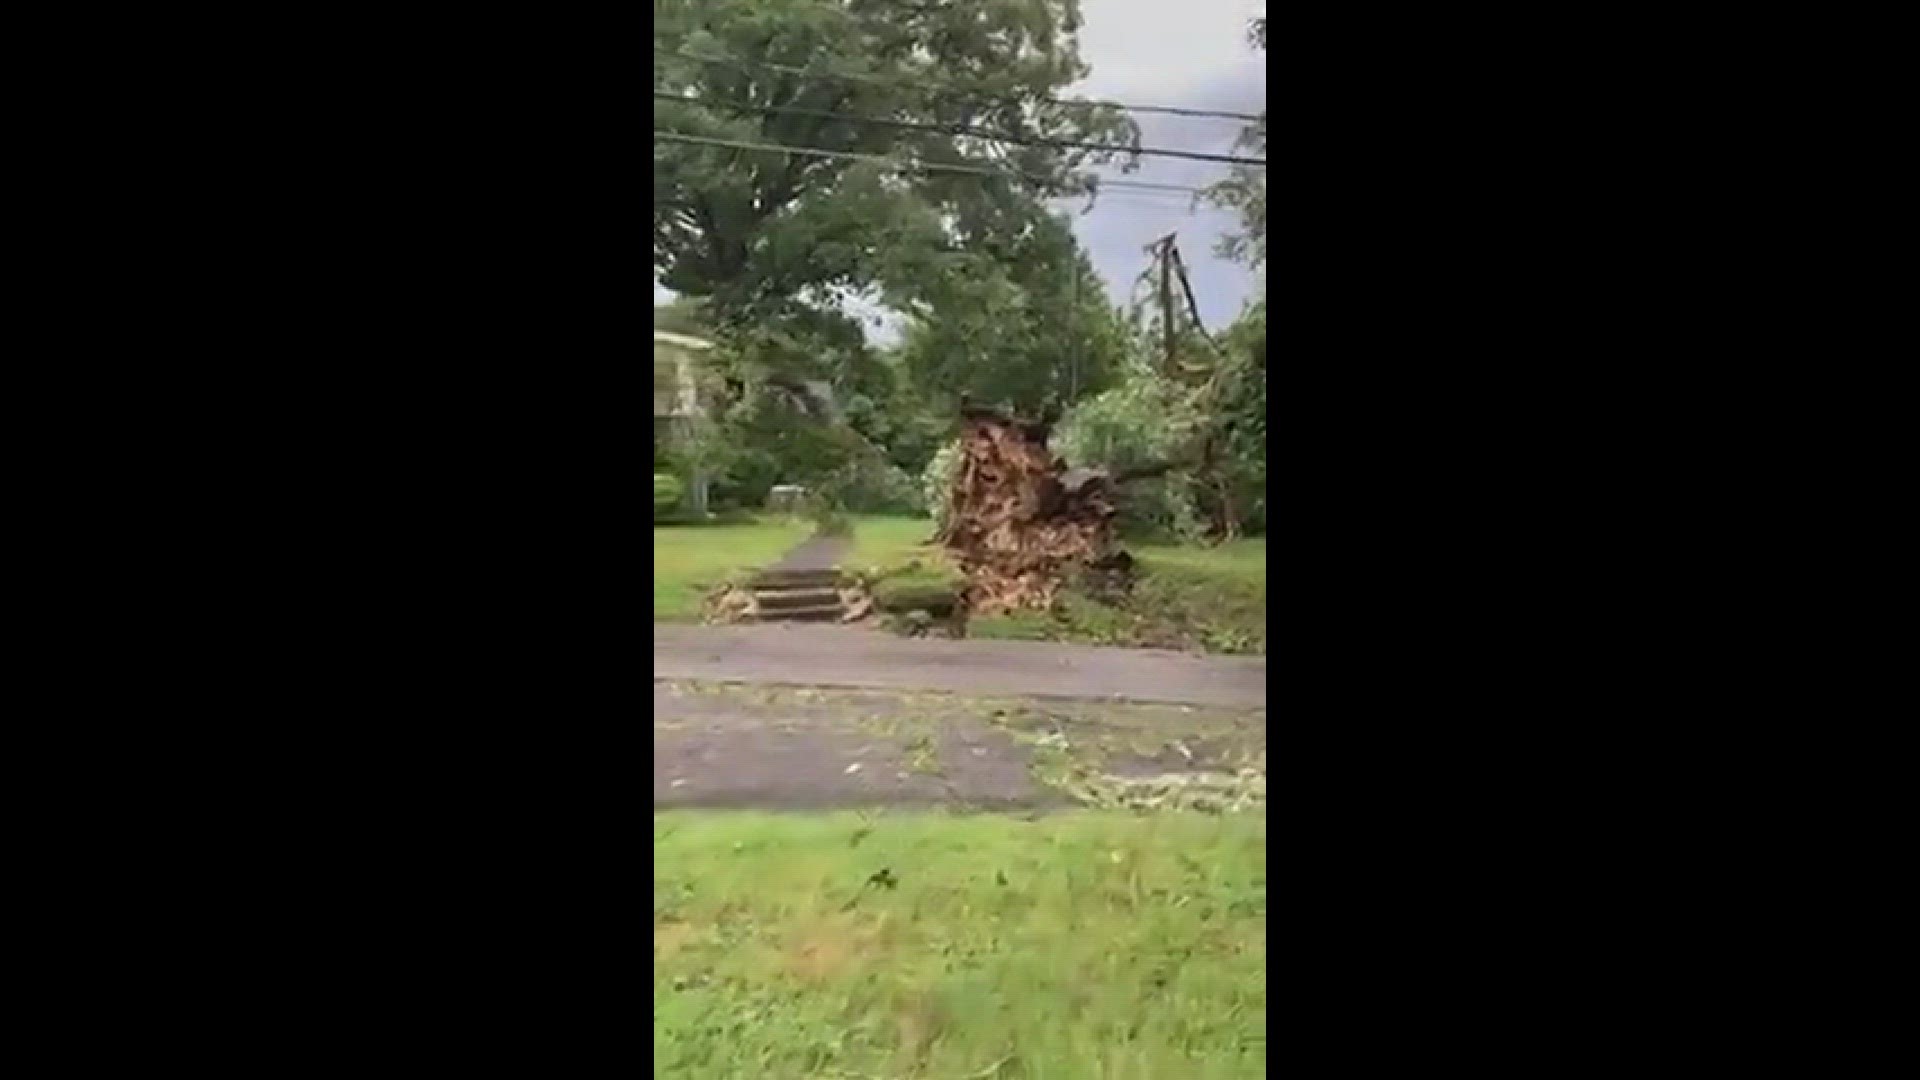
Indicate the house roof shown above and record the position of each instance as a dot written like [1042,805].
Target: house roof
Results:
[674,393]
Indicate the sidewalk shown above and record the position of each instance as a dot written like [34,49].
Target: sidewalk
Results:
[816,655]
[736,745]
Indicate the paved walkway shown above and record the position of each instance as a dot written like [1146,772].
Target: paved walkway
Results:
[816,553]
[799,748]
[815,655]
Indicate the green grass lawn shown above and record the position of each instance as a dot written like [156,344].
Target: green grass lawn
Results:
[1210,599]
[885,542]
[1217,595]
[894,549]
[1239,564]
[689,559]
[1082,944]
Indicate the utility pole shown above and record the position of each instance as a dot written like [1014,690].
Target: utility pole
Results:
[1072,321]
[1166,300]
[1186,287]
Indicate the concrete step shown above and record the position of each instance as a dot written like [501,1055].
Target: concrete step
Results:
[797,579]
[802,614]
[783,599]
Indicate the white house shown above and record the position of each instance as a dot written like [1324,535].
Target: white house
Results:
[676,398]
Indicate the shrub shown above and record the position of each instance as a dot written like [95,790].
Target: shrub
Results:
[748,481]
[1166,507]
[667,493]
[1144,421]
[940,601]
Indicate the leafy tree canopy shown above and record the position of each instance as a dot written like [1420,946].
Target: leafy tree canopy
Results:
[1034,333]
[764,233]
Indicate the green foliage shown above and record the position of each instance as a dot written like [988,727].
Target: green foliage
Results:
[805,401]
[781,440]
[747,481]
[1204,431]
[667,493]
[765,233]
[900,596]
[1245,188]
[1238,409]
[1245,192]
[772,426]
[1146,421]
[898,428]
[1027,325]
[868,482]
[766,249]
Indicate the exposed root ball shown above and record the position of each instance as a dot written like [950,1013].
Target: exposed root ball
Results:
[1017,522]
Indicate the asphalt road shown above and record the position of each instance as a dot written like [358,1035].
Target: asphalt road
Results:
[816,655]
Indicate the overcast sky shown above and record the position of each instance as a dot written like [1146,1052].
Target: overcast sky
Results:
[1187,53]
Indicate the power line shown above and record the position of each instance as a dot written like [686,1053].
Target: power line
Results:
[960,129]
[1171,197]
[931,166]
[1170,210]
[786,69]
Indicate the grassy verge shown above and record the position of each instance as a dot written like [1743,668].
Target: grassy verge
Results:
[1204,599]
[689,559]
[1196,598]
[892,553]
[891,544]
[1072,945]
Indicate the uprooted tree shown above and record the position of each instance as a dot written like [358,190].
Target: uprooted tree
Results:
[1018,522]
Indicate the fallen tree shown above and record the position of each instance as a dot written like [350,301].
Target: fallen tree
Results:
[1018,523]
